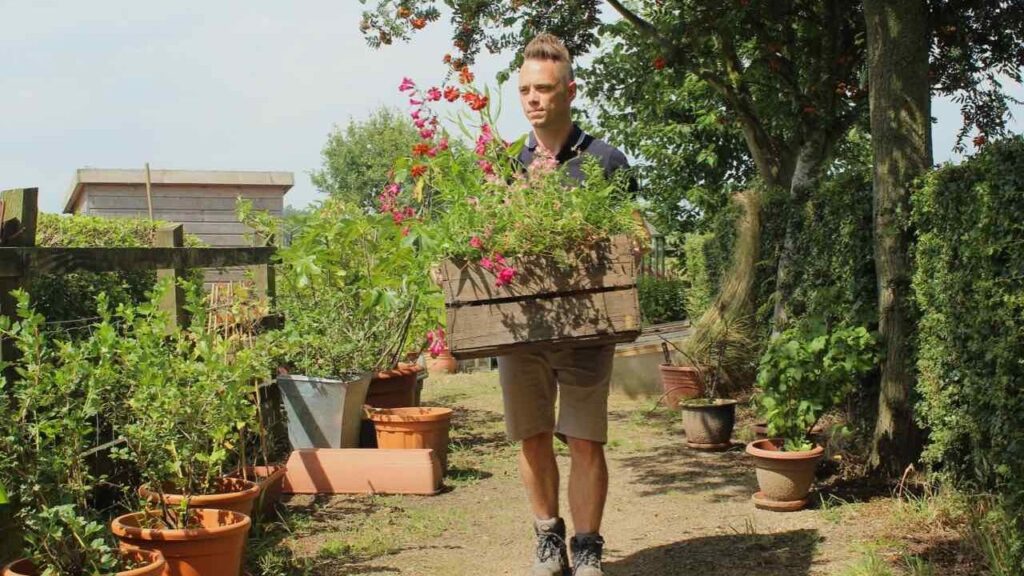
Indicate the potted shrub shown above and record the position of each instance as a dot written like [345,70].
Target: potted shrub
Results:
[352,292]
[723,349]
[805,372]
[47,420]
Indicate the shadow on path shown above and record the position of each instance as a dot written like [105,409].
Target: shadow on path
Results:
[781,554]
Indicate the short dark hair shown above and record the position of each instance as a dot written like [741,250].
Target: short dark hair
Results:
[545,46]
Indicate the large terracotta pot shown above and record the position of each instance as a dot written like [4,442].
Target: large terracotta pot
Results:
[152,560]
[233,494]
[785,478]
[213,548]
[394,388]
[679,383]
[413,428]
[269,480]
[709,426]
[443,363]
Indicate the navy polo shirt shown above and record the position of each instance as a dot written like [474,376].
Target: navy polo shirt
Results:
[570,157]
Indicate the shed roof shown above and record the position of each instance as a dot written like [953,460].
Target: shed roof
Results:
[84,176]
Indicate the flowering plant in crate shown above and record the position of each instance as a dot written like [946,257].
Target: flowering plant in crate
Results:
[479,206]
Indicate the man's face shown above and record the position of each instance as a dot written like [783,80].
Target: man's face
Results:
[545,93]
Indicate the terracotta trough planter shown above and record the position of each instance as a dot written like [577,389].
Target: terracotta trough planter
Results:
[153,565]
[406,428]
[234,494]
[213,548]
[363,471]
[785,478]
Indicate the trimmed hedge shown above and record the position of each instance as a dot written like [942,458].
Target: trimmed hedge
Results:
[969,285]
[662,299]
[72,296]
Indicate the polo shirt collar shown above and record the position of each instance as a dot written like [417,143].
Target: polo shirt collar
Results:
[572,143]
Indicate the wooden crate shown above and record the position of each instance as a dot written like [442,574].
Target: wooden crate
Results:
[591,302]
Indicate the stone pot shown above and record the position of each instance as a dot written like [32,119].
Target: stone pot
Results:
[709,425]
[323,412]
[784,478]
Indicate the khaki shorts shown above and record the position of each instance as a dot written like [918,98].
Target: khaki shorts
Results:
[530,383]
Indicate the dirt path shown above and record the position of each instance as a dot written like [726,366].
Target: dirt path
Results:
[671,510]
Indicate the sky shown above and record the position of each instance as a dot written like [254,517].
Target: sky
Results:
[225,85]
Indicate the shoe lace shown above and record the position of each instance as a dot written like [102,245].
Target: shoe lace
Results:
[588,554]
[549,546]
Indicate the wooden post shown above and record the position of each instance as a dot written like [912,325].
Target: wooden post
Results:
[18,228]
[172,236]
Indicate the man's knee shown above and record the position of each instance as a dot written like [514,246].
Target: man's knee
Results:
[538,445]
[585,451]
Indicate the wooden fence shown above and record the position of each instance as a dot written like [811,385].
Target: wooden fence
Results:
[21,260]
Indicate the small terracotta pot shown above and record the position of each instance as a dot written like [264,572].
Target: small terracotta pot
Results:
[709,427]
[153,559]
[679,383]
[213,548]
[269,480]
[785,478]
[394,388]
[413,428]
[233,494]
[443,363]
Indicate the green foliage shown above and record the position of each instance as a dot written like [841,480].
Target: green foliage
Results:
[969,287]
[354,290]
[63,543]
[357,160]
[805,372]
[662,299]
[73,296]
[699,290]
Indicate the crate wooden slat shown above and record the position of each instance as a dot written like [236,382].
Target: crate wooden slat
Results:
[591,302]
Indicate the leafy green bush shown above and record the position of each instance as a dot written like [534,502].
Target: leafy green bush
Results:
[662,299]
[969,286]
[71,296]
[699,289]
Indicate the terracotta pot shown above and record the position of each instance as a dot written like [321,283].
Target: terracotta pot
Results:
[153,559]
[213,548]
[679,383]
[785,478]
[394,388]
[444,363]
[233,494]
[269,479]
[709,427]
[413,428]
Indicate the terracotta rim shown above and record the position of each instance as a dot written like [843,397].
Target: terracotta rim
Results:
[403,369]
[127,526]
[674,368]
[153,558]
[250,491]
[776,453]
[412,414]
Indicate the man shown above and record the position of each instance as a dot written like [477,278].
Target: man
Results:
[530,382]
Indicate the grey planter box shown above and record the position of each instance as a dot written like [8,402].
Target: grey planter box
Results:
[323,413]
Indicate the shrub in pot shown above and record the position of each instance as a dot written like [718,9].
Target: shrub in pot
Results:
[805,372]
[47,421]
[352,291]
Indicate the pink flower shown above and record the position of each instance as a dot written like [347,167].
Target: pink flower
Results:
[415,114]
[434,94]
[442,145]
[499,259]
[406,85]
[505,276]
[415,102]
[426,134]
[485,138]
[436,340]
[420,123]
[475,242]
[486,166]
[486,263]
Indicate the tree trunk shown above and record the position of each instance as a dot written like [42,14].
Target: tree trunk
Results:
[806,176]
[900,98]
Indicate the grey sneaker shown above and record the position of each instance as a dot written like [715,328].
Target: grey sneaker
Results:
[551,558]
[586,554]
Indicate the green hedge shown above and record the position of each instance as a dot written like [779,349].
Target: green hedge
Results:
[969,285]
[71,296]
[662,299]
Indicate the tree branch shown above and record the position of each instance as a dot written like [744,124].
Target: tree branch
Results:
[633,18]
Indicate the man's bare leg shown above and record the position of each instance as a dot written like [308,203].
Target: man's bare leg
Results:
[588,485]
[539,471]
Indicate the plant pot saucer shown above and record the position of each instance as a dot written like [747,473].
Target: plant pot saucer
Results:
[760,501]
[716,447]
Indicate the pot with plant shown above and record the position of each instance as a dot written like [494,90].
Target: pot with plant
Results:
[352,291]
[720,353]
[48,414]
[806,371]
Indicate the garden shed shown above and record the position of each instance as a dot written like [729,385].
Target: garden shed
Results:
[201,200]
